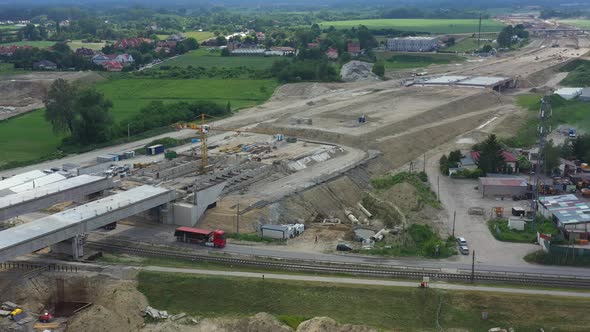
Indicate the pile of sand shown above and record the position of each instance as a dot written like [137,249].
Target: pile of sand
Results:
[117,307]
[326,324]
[356,71]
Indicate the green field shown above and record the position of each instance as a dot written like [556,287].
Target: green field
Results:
[29,136]
[39,43]
[200,36]
[8,69]
[391,308]
[572,112]
[26,137]
[415,60]
[421,25]
[75,44]
[583,24]
[129,95]
[208,59]
[468,45]
[9,27]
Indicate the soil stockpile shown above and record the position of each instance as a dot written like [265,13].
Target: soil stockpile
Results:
[356,71]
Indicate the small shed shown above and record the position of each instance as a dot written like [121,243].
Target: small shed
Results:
[502,186]
[585,95]
[279,232]
[516,223]
[569,93]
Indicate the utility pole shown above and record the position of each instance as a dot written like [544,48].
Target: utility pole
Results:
[438,187]
[454,218]
[479,32]
[238,219]
[473,267]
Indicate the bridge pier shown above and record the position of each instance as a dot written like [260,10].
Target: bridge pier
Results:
[73,247]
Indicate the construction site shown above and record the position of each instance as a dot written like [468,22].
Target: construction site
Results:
[305,157]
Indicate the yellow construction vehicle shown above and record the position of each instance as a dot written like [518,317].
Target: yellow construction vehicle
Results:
[15,312]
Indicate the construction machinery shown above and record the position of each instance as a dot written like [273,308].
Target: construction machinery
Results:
[205,128]
[499,211]
[46,317]
[15,313]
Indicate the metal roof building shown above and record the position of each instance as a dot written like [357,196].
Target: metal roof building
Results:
[568,93]
[502,186]
[570,213]
[280,232]
[585,95]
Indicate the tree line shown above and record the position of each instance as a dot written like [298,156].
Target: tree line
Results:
[60,54]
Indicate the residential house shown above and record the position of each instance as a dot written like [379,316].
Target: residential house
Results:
[64,23]
[85,52]
[467,163]
[176,37]
[353,48]
[125,59]
[113,66]
[8,50]
[131,43]
[260,36]
[168,44]
[210,42]
[509,159]
[332,53]
[100,59]
[165,50]
[313,45]
[45,65]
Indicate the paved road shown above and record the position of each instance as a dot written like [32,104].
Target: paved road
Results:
[452,265]
[91,156]
[373,282]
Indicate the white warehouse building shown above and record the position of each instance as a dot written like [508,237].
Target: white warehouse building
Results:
[412,44]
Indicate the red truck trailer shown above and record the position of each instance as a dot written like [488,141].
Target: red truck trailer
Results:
[205,237]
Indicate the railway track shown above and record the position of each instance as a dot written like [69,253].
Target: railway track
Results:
[357,269]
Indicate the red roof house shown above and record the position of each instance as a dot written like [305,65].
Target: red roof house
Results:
[353,48]
[508,158]
[113,66]
[332,53]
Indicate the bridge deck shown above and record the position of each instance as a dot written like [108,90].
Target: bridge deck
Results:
[36,199]
[52,229]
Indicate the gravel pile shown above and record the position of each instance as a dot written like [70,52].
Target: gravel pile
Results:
[356,71]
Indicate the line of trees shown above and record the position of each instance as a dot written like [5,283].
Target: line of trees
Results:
[157,114]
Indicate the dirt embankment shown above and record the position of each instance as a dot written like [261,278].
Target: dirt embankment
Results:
[261,322]
[24,93]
